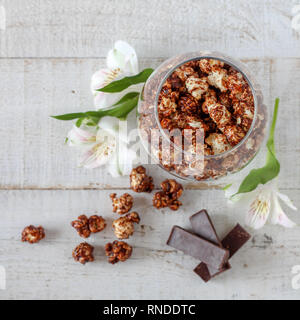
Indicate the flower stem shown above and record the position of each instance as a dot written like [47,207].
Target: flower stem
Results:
[272,129]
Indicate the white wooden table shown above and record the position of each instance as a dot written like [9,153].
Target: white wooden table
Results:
[48,53]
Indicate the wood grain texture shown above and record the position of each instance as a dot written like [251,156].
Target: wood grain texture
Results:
[48,53]
[33,151]
[261,269]
[75,28]
[34,154]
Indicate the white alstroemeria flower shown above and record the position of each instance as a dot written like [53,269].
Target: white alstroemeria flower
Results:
[123,158]
[122,161]
[259,189]
[105,144]
[121,62]
[81,136]
[123,57]
[263,205]
[100,152]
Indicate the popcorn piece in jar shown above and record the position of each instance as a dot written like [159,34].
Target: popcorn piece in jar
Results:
[33,234]
[234,134]
[210,98]
[225,100]
[210,95]
[123,204]
[217,78]
[188,104]
[118,251]
[220,115]
[124,226]
[244,114]
[171,88]
[247,97]
[195,122]
[236,85]
[82,226]
[183,72]
[208,65]
[167,106]
[176,83]
[139,181]
[218,143]
[83,253]
[196,86]
[96,223]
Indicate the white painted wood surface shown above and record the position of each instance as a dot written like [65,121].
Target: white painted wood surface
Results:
[47,55]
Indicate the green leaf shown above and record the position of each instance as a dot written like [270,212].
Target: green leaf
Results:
[227,186]
[79,122]
[124,106]
[119,110]
[69,116]
[124,83]
[272,166]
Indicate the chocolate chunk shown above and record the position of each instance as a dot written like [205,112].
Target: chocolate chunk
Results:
[197,247]
[202,225]
[234,240]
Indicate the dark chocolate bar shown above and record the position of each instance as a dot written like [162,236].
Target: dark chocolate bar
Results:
[203,227]
[234,240]
[197,247]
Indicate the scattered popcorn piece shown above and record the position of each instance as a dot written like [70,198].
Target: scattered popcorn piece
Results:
[82,226]
[139,181]
[172,188]
[96,223]
[124,226]
[123,204]
[162,200]
[83,253]
[172,191]
[118,251]
[33,234]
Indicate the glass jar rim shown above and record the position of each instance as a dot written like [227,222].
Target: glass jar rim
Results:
[231,63]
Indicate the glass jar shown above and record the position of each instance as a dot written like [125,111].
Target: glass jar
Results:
[165,153]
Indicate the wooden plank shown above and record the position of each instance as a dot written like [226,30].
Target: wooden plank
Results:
[155,271]
[285,79]
[33,151]
[88,28]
